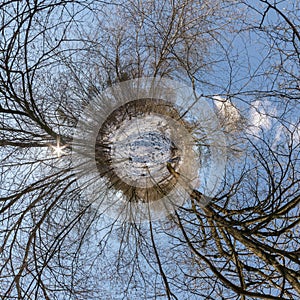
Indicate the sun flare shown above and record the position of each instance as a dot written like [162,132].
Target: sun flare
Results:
[58,150]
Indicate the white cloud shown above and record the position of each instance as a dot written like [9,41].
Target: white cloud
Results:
[259,119]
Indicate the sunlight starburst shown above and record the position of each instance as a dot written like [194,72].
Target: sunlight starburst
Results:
[58,149]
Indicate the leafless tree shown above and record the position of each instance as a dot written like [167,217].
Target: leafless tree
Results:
[242,57]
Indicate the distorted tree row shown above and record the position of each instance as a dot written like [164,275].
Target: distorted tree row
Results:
[242,57]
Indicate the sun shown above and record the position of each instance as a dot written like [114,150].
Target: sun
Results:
[58,150]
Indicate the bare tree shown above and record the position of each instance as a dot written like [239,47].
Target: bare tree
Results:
[58,57]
